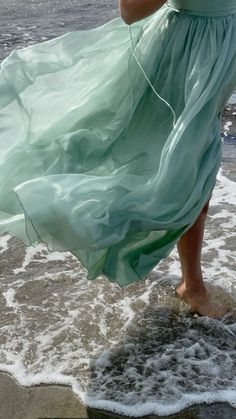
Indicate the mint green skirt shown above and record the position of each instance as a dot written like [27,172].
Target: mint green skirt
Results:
[92,160]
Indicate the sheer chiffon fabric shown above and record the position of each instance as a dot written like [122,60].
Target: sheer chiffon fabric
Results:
[90,159]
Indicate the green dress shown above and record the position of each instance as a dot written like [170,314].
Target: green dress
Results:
[111,152]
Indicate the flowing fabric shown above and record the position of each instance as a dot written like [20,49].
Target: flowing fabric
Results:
[92,160]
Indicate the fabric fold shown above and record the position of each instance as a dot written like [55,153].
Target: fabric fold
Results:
[90,161]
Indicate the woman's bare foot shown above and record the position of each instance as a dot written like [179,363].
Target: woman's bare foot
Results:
[201,301]
[192,289]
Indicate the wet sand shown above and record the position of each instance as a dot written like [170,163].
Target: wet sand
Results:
[58,402]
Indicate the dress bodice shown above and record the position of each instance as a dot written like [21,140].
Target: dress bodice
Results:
[204,7]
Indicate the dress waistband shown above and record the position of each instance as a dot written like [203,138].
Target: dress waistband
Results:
[212,8]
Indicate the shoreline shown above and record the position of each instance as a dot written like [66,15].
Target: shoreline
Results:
[59,402]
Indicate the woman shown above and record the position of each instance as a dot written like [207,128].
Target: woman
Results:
[192,288]
[110,146]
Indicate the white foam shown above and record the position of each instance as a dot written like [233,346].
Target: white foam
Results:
[226,127]
[4,243]
[9,295]
[33,254]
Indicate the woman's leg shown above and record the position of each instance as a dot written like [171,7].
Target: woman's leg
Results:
[192,288]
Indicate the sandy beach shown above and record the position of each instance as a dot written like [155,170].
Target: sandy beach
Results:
[58,402]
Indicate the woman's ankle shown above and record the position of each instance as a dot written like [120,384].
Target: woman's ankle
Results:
[193,285]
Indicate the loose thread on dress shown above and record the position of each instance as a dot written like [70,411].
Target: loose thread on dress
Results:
[146,77]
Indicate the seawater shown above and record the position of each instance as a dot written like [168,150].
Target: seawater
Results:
[134,351]
[26,22]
